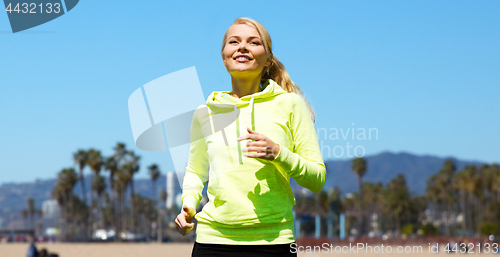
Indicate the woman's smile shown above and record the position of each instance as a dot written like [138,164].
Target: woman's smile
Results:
[242,58]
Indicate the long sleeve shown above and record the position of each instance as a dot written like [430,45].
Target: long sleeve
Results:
[305,164]
[197,167]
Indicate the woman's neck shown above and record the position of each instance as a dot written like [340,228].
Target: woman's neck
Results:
[245,86]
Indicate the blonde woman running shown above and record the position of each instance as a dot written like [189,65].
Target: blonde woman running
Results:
[248,162]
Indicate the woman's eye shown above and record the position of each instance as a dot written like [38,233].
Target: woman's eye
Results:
[232,42]
[256,43]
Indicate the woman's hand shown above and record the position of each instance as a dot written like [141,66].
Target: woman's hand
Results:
[262,146]
[183,222]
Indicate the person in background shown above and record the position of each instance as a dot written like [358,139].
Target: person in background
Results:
[32,251]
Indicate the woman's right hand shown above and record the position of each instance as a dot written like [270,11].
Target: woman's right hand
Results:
[184,221]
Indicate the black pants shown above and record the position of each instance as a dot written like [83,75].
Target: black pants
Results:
[216,250]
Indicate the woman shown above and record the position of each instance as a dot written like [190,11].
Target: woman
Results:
[251,141]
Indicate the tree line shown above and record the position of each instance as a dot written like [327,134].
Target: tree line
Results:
[464,202]
[108,208]
[456,203]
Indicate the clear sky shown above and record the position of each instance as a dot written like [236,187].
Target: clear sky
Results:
[424,74]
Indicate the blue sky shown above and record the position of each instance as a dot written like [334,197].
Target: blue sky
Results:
[425,74]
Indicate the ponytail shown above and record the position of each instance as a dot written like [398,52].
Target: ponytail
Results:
[277,72]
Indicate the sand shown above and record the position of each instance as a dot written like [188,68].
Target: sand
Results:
[165,249]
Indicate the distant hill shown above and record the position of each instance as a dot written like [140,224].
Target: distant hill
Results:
[385,166]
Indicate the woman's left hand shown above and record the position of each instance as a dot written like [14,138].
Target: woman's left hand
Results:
[261,146]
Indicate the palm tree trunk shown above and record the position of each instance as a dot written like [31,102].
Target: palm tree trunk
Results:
[478,212]
[84,196]
[132,205]
[99,213]
[155,204]
[124,213]
[92,210]
[464,210]
[398,224]
[119,216]
[448,217]
[160,227]
[31,221]
[62,224]
[361,218]
[470,224]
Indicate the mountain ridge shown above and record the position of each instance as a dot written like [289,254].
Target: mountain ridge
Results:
[385,166]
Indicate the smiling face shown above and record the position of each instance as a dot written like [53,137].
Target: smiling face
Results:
[244,54]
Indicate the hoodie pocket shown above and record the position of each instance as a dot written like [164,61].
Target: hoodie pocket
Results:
[251,196]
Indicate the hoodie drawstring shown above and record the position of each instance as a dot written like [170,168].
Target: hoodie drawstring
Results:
[251,112]
[238,134]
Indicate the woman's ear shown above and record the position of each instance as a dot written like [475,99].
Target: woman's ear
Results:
[269,61]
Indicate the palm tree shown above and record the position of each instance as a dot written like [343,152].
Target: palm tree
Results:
[24,213]
[335,202]
[99,186]
[95,164]
[31,212]
[115,161]
[434,191]
[462,184]
[95,161]
[154,174]
[80,158]
[349,204]
[448,192]
[113,164]
[120,152]
[441,191]
[359,167]
[39,214]
[58,195]
[496,181]
[372,203]
[469,183]
[490,209]
[397,199]
[122,180]
[66,180]
[132,167]
[163,198]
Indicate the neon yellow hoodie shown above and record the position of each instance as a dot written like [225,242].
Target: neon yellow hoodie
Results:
[250,199]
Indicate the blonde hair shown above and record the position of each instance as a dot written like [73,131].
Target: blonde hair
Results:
[276,70]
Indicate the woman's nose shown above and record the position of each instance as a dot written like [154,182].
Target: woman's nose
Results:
[243,46]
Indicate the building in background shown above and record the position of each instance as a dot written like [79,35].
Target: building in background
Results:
[50,209]
[174,191]
[51,213]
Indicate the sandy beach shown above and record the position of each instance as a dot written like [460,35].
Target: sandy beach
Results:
[166,249]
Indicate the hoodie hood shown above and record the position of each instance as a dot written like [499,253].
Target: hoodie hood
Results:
[222,99]
[223,102]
